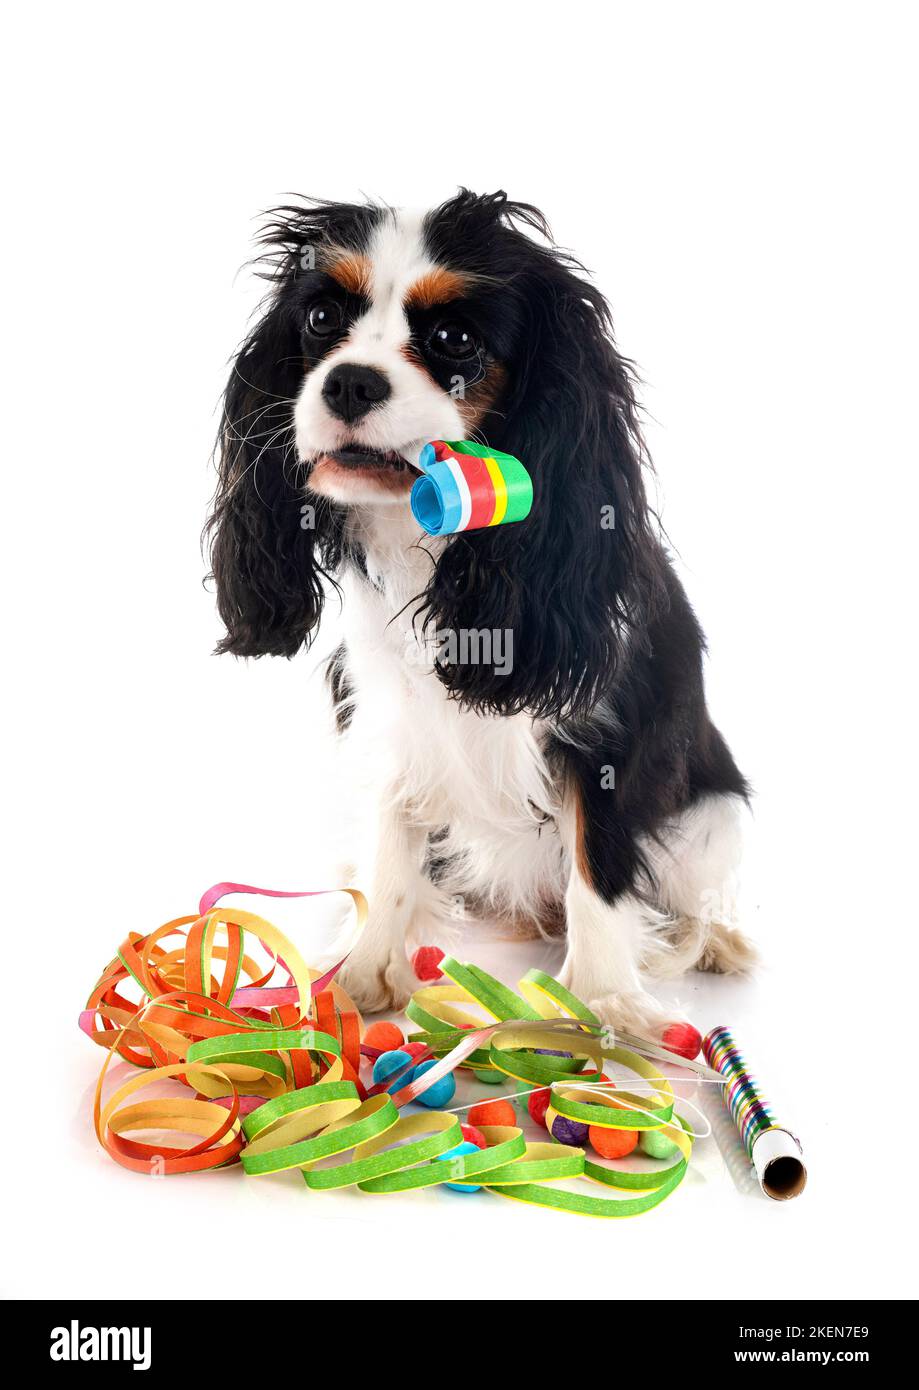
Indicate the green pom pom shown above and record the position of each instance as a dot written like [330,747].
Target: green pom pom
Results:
[656,1144]
[489,1078]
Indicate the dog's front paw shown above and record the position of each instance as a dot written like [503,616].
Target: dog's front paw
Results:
[634,1012]
[378,983]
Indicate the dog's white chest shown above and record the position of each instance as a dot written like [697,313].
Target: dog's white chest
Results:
[484,777]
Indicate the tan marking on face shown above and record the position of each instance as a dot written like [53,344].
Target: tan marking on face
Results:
[481,397]
[351,270]
[409,353]
[437,286]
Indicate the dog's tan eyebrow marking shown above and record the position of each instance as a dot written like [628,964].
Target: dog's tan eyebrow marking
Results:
[351,270]
[437,286]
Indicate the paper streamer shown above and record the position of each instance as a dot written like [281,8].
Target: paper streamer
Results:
[467,487]
[269,1075]
[775,1152]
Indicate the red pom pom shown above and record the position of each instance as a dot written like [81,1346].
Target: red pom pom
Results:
[538,1103]
[474,1136]
[683,1039]
[492,1112]
[612,1143]
[414,1049]
[386,1036]
[426,961]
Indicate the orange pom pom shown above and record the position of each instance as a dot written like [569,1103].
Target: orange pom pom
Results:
[386,1036]
[492,1112]
[612,1143]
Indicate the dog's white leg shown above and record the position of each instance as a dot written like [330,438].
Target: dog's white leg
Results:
[605,945]
[603,960]
[378,974]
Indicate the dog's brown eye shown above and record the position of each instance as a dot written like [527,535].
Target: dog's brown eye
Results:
[454,340]
[324,318]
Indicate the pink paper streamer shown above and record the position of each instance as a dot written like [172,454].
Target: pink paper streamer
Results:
[268,996]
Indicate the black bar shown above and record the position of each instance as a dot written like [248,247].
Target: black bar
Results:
[173,1340]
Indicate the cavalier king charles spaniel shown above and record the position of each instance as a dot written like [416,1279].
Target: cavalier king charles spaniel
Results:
[527,700]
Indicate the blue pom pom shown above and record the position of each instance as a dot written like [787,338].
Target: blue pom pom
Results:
[441,1093]
[387,1064]
[459,1152]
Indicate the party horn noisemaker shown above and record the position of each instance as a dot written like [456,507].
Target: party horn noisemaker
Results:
[467,487]
[775,1152]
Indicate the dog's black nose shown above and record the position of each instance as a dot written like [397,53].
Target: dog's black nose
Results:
[350,391]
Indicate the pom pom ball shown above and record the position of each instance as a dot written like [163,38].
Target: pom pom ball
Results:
[682,1039]
[385,1036]
[492,1112]
[538,1103]
[440,1092]
[426,962]
[474,1136]
[564,1130]
[387,1064]
[489,1078]
[459,1152]
[656,1144]
[414,1049]
[612,1143]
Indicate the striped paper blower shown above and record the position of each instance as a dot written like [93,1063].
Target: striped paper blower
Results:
[466,487]
[773,1150]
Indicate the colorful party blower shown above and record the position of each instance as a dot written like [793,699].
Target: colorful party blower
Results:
[774,1151]
[467,487]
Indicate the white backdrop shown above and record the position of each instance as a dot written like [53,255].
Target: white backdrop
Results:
[741,182]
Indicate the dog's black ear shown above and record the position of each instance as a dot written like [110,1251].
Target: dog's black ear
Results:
[265,535]
[571,579]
